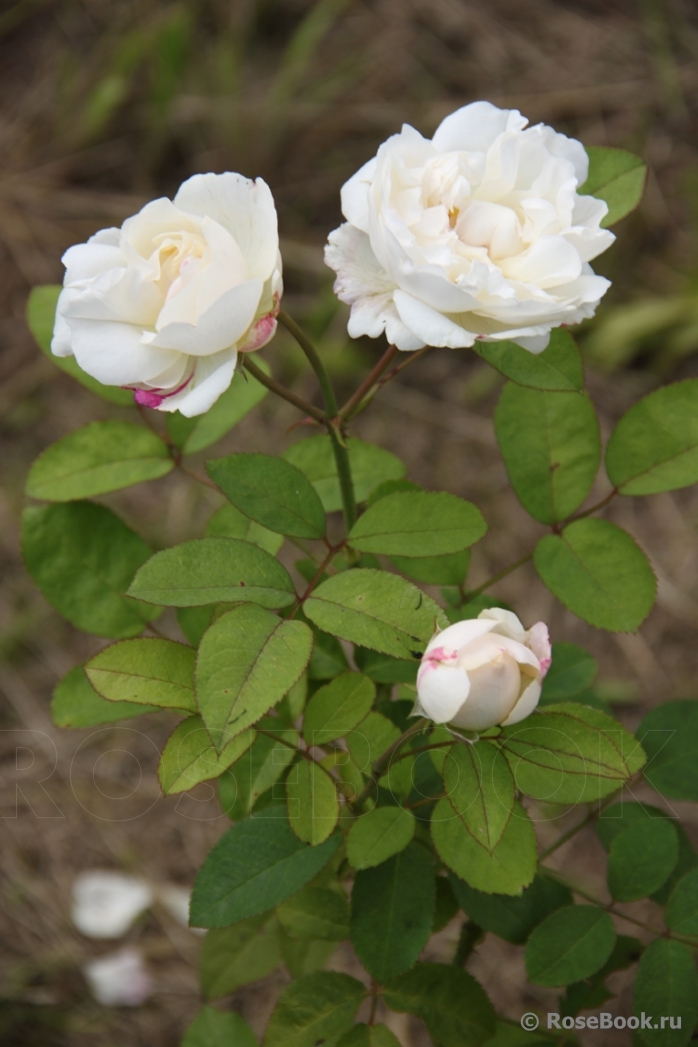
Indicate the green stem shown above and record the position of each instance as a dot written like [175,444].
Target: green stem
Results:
[346,482]
[356,399]
[384,759]
[497,577]
[314,359]
[470,936]
[281,390]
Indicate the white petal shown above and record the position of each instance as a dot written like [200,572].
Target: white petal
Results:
[220,327]
[127,295]
[432,327]
[549,262]
[536,344]
[61,342]
[359,274]
[115,353]
[120,979]
[461,633]
[212,376]
[442,691]
[242,206]
[494,688]
[475,127]
[525,705]
[157,217]
[508,624]
[354,196]
[85,261]
[105,904]
[539,642]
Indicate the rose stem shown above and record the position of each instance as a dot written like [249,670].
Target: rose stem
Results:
[357,397]
[281,390]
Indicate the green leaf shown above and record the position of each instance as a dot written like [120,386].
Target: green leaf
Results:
[257,864]
[512,918]
[229,522]
[83,557]
[570,753]
[381,668]
[598,572]
[681,913]
[235,956]
[666,984]
[145,671]
[257,771]
[572,671]
[316,913]
[551,447]
[480,788]
[370,740]
[446,905]
[314,1010]
[654,447]
[618,178]
[270,491]
[241,396]
[510,867]
[450,569]
[377,610]
[593,992]
[41,313]
[213,570]
[418,523]
[76,704]
[100,457]
[337,708]
[378,835]
[392,911]
[328,658]
[212,1028]
[302,956]
[369,1036]
[246,663]
[313,805]
[641,859]
[370,466]
[558,368]
[570,944]
[194,621]
[669,736]
[189,758]
[452,1005]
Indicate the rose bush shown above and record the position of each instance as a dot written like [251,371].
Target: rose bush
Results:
[164,304]
[477,233]
[483,671]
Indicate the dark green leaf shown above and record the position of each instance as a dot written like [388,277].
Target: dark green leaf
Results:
[337,708]
[241,396]
[618,178]
[378,835]
[313,805]
[213,570]
[76,704]
[572,671]
[302,956]
[570,753]
[41,313]
[558,368]
[257,864]
[100,457]
[369,1036]
[212,1028]
[83,557]
[418,523]
[512,918]
[316,913]
[314,1010]
[376,610]
[681,913]
[229,522]
[551,447]
[642,858]
[194,621]
[598,572]
[246,662]
[452,1005]
[480,787]
[446,904]
[371,739]
[510,867]
[669,736]
[257,771]
[654,447]
[392,910]
[328,658]
[236,956]
[572,943]
[370,466]
[189,758]
[381,668]
[146,671]
[271,491]
[666,985]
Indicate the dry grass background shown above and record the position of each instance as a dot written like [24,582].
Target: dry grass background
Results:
[106,104]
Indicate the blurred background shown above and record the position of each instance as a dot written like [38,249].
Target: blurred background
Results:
[108,103]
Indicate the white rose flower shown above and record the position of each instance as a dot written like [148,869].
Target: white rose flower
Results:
[105,904]
[120,979]
[477,233]
[482,672]
[164,304]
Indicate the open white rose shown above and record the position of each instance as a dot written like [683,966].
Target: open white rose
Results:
[477,233]
[482,672]
[105,904]
[164,304]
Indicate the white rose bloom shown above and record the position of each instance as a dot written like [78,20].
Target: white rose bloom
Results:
[477,233]
[164,304]
[482,672]
[120,979]
[105,904]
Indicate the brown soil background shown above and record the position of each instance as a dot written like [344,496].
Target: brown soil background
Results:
[105,105]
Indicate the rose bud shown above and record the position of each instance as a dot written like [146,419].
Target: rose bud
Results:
[164,304]
[482,672]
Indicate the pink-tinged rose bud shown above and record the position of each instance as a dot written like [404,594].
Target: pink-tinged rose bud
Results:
[164,304]
[483,672]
